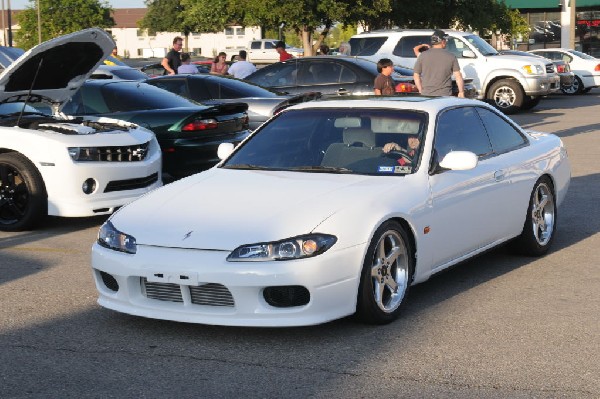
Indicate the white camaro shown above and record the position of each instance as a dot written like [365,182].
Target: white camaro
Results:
[333,208]
[54,164]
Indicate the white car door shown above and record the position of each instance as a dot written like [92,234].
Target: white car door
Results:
[469,210]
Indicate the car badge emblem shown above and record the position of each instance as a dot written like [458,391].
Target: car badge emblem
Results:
[187,235]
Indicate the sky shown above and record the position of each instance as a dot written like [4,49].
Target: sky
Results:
[21,4]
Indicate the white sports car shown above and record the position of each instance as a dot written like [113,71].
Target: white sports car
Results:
[333,208]
[54,164]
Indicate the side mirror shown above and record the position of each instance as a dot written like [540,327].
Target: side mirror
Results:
[459,160]
[224,150]
[468,54]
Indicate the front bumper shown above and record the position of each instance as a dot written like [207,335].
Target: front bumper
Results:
[122,281]
[541,85]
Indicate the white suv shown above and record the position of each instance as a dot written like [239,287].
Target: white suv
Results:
[511,83]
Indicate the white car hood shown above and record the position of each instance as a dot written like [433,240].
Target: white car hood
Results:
[221,209]
[55,69]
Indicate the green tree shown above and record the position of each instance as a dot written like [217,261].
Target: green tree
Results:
[59,18]
[306,18]
[166,16]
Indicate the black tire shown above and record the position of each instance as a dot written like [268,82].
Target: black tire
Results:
[23,199]
[386,275]
[530,102]
[540,221]
[506,95]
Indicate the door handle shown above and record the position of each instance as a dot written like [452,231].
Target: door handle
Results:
[499,175]
[343,92]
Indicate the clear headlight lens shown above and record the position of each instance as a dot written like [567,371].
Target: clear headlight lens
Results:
[83,153]
[111,238]
[533,69]
[292,248]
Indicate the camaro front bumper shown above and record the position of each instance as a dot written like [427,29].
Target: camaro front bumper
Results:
[200,286]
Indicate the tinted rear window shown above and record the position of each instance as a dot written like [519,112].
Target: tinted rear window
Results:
[126,96]
[363,46]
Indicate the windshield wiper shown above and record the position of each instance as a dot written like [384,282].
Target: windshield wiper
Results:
[318,168]
[246,166]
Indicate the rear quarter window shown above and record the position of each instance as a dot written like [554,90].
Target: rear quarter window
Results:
[363,46]
[404,47]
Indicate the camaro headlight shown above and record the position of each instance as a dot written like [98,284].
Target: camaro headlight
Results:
[111,238]
[533,69]
[83,153]
[292,248]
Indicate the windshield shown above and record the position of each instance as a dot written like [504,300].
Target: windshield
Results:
[582,55]
[481,45]
[336,140]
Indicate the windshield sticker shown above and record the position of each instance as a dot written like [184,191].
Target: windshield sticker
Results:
[385,169]
[402,169]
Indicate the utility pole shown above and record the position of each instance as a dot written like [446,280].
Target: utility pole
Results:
[9,25]
[39,23]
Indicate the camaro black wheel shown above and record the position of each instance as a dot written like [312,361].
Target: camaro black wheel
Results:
[23,200]
[506,95]
[386,275]
[540,222]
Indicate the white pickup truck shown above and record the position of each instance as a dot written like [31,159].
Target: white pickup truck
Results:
[262,51]
[509,82]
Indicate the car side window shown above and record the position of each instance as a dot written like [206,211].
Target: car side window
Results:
[283,74]
[363,46]
[269,45]
[347,75]
[325,72]
[456,46]
[461,129]
[405,46]
[503,136]
[255,45]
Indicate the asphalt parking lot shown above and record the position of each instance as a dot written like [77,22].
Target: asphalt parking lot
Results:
[498,326]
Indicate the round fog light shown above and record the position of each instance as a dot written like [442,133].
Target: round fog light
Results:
[89,186]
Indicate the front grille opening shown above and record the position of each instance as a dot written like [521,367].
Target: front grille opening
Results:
[162,291]
[109,281]
[286,296]
[211,295]
[131,184]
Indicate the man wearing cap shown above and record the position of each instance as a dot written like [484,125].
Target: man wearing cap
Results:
[434,69]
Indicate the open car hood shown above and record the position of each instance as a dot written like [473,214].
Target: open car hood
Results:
[55,69]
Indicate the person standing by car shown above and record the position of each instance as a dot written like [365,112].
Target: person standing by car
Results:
[434,69]
[241,68]
[186,67]
[384,85]
[172,60]
[219,65]
[283,55]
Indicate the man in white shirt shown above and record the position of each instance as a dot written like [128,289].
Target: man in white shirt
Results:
[241,68]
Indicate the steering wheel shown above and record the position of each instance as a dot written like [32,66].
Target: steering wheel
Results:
[397,154]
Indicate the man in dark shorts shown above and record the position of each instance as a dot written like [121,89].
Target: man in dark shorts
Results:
[172,60]
[434,69]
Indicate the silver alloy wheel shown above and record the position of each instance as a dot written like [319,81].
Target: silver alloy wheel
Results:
[542,214]
[504,97]
[574,88]
[390,271]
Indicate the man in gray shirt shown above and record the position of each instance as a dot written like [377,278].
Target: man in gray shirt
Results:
[434,69]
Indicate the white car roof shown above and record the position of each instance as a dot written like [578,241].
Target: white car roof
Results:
[56,68]
[420,103]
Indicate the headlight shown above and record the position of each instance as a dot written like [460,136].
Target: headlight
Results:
[291,248]
[84,153]
[533,69]
[110,237]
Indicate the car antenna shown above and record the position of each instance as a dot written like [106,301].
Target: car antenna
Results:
[30,90]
